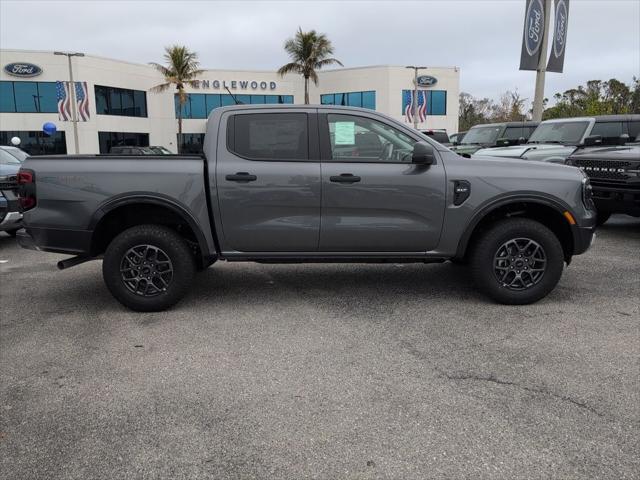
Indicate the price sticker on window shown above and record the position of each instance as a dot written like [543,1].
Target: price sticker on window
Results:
[345,133]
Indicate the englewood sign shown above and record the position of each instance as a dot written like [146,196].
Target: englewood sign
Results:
[22,69]
[235,84]
[532,35]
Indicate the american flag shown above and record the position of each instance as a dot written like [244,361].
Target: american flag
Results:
[64,101]
[422,105]
[63,93]
[82,99]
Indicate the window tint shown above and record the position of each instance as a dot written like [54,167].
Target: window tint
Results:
[37,142]
[609,131]
[28,97]
[191,142]
[120,101]
[271,136]
[351,99]
[200,105]
[634,130]
[7,101]
[108,140]
[436,101]
[361,139]
[512,133]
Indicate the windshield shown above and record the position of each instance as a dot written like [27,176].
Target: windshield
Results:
[19,155]
[482,135]
[559,132]
[7,159]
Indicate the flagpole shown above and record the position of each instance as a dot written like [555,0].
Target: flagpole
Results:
[538,99]
[72,92]
[415,94]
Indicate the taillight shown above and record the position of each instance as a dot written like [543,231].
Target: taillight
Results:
[26,189]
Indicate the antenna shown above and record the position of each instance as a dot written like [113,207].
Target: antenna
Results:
[233,96]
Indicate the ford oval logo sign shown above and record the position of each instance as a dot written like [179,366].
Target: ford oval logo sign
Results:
[22,69]
[427,81]
[561,28]
[534,26]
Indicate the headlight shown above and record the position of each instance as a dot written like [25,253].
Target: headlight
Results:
[587,194]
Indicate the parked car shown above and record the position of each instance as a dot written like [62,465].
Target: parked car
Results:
[494,135]
[10,215]
[285,183]
[160,150]
[554,140]
[456,138]
[439,135]
[615,178]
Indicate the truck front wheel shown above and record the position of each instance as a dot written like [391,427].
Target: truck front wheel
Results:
[517,261]
[148,268]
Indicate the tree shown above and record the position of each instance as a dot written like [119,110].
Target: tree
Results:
[476,111]
[308,52]
[181,69]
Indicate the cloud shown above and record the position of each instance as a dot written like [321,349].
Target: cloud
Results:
[481,37]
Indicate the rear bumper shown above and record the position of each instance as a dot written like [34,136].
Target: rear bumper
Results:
[72,242]
[11,221]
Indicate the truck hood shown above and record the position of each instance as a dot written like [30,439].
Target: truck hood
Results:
[460,149]
[529,170]
[533,151]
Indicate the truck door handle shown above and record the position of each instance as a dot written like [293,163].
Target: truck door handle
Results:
[241,177]
[345,178]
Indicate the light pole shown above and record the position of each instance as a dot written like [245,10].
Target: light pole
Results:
[415,93]
[72,91]
[542,66]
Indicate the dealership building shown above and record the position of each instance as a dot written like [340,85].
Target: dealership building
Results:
[117,107]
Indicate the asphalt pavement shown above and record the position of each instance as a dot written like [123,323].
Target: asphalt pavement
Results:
[348,371]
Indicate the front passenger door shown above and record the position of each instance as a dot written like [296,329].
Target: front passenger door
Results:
[373,198]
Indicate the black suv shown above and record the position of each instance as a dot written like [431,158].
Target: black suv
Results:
[615,178]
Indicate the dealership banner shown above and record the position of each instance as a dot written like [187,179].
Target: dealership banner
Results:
[556,57]
[532,35]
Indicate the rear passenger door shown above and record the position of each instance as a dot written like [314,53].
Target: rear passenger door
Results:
[268,181]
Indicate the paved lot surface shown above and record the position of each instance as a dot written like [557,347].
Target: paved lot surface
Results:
[322,371]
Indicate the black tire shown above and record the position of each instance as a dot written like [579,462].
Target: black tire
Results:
[517,280]
[602,218]
[12,233]
[139,277]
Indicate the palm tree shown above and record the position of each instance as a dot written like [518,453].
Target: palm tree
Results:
[309,51]
[181,69]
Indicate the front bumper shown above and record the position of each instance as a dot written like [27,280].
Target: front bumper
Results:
[583,238]
[617,199]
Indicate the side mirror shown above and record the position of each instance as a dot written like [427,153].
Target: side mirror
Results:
[622,139]
[522,141]
[502,142]
[423,154]
[592,140]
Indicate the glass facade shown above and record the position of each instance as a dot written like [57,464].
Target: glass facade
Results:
[351,99]
[191,143]
[120,101]
[199,105]
[36,142]
[28,97]
[112,139]
[436,101]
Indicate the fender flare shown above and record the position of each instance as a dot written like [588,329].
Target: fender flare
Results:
[481,213]
[158,200]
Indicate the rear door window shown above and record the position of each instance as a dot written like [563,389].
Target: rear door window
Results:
[609,131]
[270,136]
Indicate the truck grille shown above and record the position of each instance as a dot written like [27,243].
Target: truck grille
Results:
[9,182]
[603,168]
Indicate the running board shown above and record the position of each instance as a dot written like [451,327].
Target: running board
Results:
[73,261]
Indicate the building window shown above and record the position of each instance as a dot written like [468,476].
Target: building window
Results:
[436,101]
[351,99]
[200,105]
[113,139]
[191,143]
[120,101]
[36,142]
[28,97]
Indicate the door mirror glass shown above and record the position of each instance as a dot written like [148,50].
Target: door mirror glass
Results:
[522,141]
[593,140]
[423,154]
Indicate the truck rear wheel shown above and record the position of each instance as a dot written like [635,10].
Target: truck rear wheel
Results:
[148,268]
[517,261]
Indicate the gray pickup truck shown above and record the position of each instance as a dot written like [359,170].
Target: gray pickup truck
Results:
[306,184]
